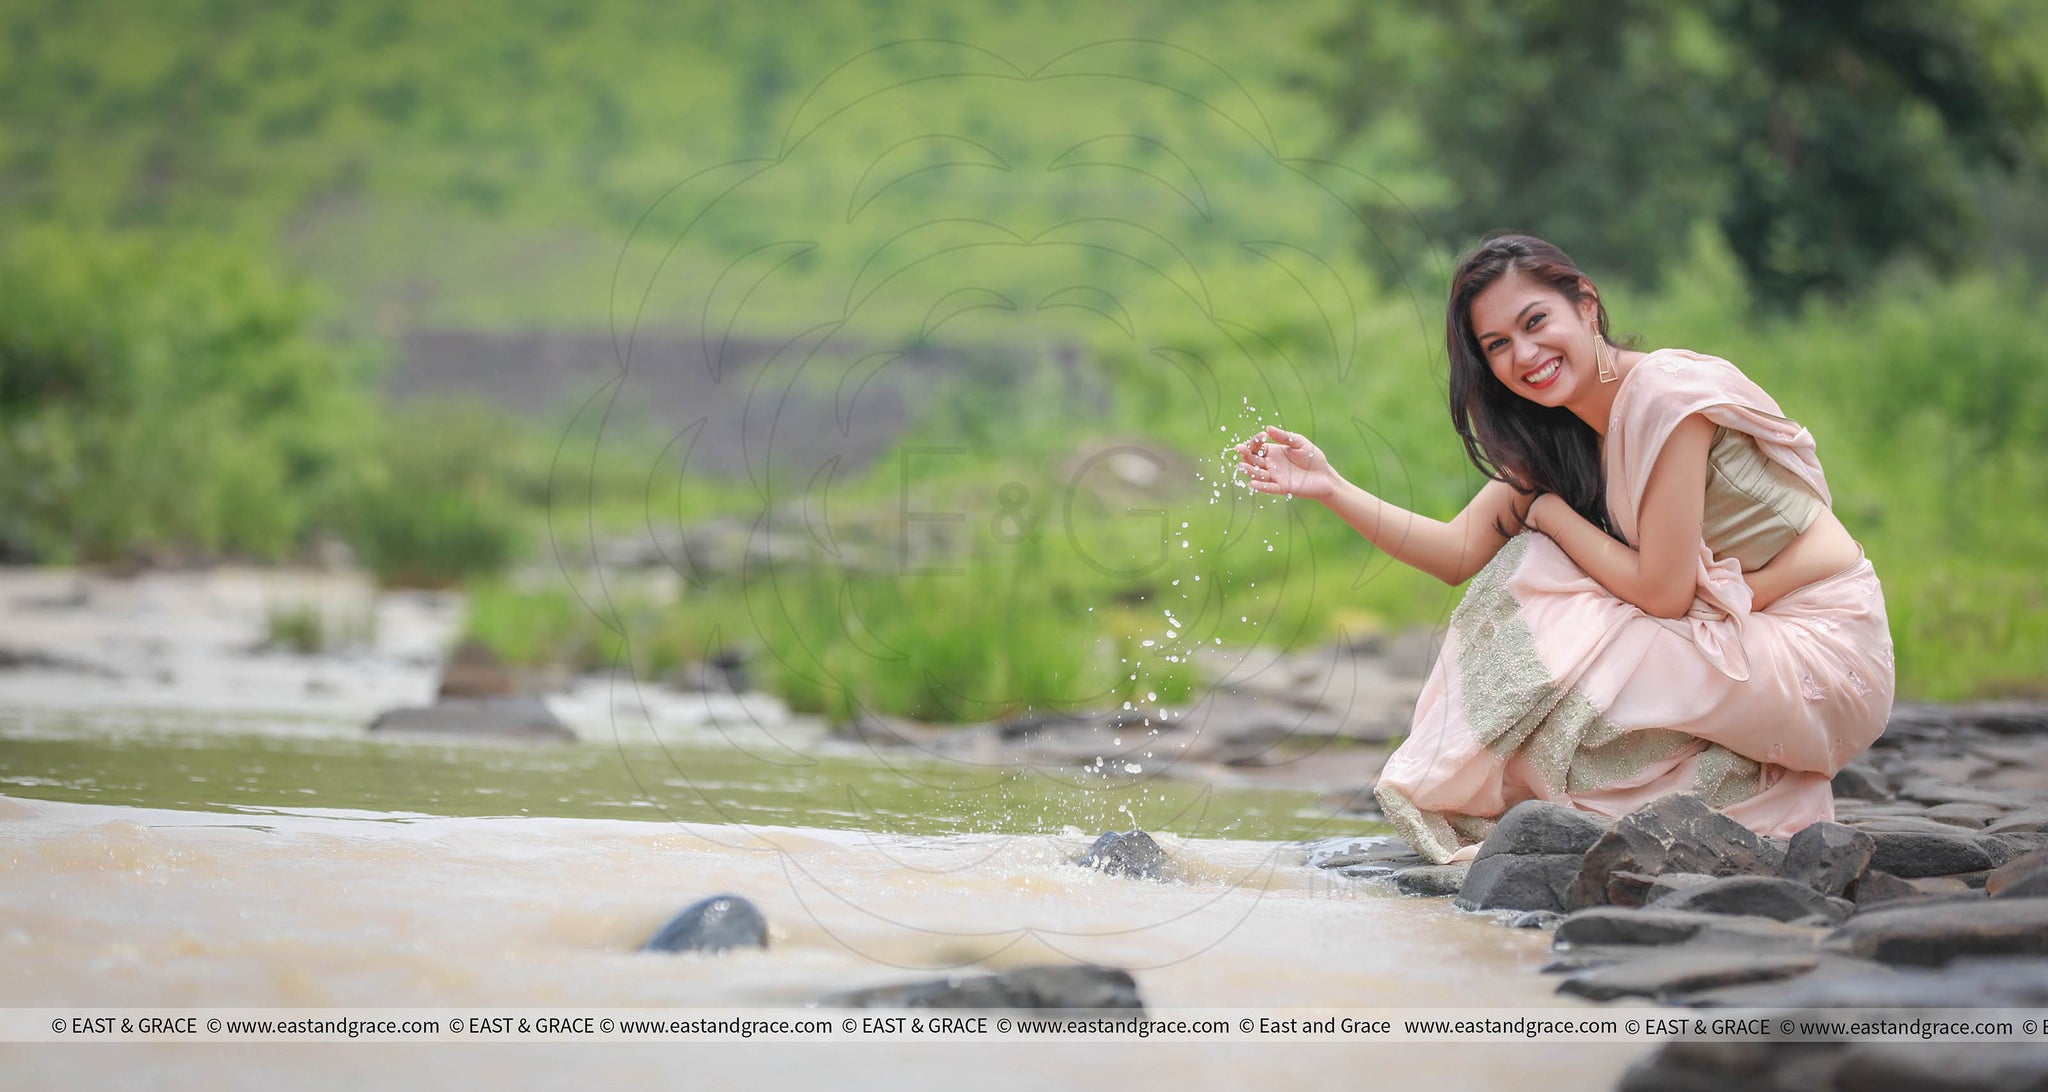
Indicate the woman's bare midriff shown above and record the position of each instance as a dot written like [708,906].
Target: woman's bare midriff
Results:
[1821,551]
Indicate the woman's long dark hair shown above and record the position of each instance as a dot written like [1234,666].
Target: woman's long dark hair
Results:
[1535,449]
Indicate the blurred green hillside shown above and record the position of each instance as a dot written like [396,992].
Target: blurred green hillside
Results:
[220,217]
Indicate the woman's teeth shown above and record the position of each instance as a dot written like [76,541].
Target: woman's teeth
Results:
[1543,375]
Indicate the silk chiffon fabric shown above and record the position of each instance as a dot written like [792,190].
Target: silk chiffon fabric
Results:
[1550,687]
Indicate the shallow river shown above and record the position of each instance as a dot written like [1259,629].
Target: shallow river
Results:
[156,867]
[167,838]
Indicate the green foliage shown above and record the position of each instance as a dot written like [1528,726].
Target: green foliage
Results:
[163,396]
[1824,139]
[437,495]
[308,629]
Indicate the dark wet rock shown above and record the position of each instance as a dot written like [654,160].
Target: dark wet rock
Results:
[2031,821]
[1612,926]
[717,924]
[1753,896]
[1875,888]
[1533,881]
[1434,880]
[1860,782]
[1130,853]
[1909,855]
[1943,1067]
[1827,857]
[1538,826]
[1677,833]
[1636,889]
[1583,958]
[1940,722]
[1535,919]
[1072,988]
[524,719]
[1931,935]
[1375,849]
[1665,976]
[1966,816]
[1854,983]
[1742,1066]
[474,671]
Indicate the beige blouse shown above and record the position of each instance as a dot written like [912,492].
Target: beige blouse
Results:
[1755,507]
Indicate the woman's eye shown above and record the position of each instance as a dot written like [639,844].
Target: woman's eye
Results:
[1533,320]
[1495,345]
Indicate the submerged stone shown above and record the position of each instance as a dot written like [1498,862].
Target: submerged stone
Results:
[1055,987]
[1130,853]
[716,924]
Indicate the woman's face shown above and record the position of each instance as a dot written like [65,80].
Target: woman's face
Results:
[1535,341]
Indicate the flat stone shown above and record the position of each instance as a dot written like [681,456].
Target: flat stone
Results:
[523,719]
[1608,925]
[1930,791]
[1903,824]
[1131,853]
[1860,782]
[1994,1067]
[1636,889]
[2033,885]
[1827,857]
[1753,896]
[2030,821]
[2011,872]
[1538,826]
[1970,816]
[1533,881]
[1855,983]
[1909,854]
[1739,1066]
[1365,849]
[1933,935]
[1944,887]
[1677,833]
[1433,880]
[1075,988]
[717,924]
[1877,887]
[1664,976]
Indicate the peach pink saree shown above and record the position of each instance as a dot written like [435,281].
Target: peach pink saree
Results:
[1550,687]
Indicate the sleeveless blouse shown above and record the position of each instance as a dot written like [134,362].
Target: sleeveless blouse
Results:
[1755,507]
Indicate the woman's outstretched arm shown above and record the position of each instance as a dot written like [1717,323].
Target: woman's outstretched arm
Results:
[1660,575]
[1278,461]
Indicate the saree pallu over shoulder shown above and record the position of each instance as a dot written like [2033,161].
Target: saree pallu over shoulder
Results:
[1550,687]
[1663,389]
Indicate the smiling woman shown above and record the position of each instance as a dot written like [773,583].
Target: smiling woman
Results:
[1660,599]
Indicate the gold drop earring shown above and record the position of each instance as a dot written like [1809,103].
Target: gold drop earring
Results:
[1603,355]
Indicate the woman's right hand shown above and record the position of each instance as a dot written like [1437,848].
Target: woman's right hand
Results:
[1278,461]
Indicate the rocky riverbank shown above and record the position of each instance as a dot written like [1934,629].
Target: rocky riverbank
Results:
[1929,891]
